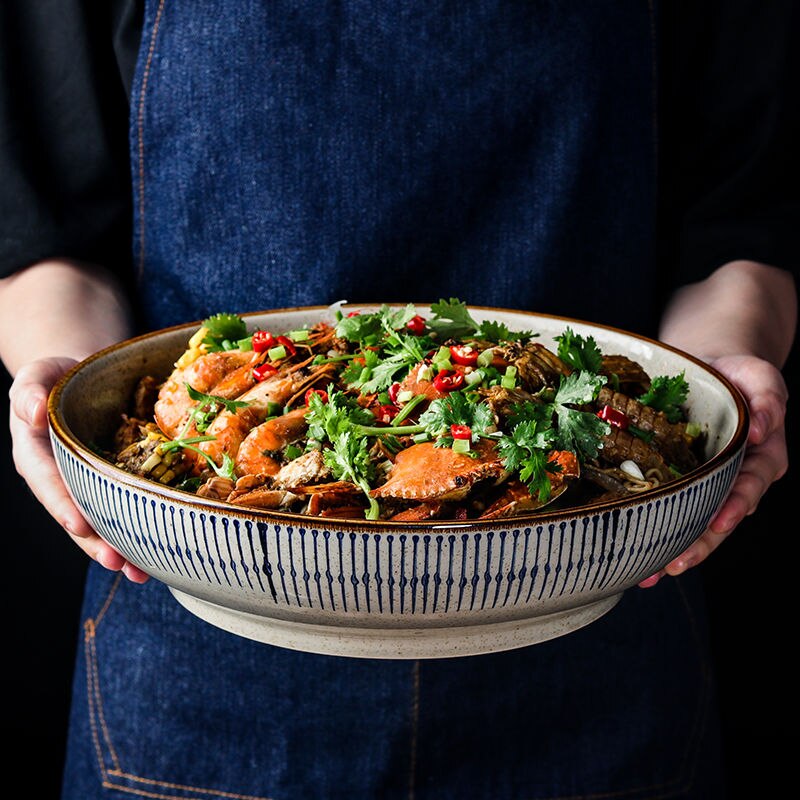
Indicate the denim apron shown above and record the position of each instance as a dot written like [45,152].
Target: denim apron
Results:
[292,153]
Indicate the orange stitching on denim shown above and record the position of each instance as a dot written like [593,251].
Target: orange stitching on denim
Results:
[99,705]
[180,787]
[143,793]
[93,679]
[88,638]
[412,767]
[109,598]
[97,720]
[140,131]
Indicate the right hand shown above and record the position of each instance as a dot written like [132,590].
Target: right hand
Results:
[33,459]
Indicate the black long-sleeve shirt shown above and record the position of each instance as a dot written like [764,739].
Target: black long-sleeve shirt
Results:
[727,120]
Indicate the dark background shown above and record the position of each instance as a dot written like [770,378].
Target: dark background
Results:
[750,583]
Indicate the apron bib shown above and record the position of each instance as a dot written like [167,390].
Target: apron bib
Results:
[298,153]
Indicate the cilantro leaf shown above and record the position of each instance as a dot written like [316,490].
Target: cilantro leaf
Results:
[493,331]
[540,413]
[352,374]
[458,408]
[359,327]
[398,353]
[202,397]
[579,388]
[667,394]
[581,432]
[580,352]
[452,319]
[207,408]
[221,327]
[349,460]
[525,450]
[369,327]
[339,414]
[224,470]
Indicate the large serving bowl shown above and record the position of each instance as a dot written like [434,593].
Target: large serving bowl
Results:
[382,589]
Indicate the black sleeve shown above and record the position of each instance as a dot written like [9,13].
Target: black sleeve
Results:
[729,134]
[65,68]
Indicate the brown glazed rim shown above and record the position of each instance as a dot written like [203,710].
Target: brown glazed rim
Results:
[70,441]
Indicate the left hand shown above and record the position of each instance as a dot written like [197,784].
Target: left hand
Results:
[766,457]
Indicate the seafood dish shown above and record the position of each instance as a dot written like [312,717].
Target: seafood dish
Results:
[405,414]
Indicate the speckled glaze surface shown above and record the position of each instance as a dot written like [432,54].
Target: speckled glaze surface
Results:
[379,589]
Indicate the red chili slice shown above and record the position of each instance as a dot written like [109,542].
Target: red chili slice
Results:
[393,391]
[263,340]
[416,325]
[447,380]
[461,432]
[613,417]
[386,413]
[264,371]
[463,354]
[288,344]
[323,395]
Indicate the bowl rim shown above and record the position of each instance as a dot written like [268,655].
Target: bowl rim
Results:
[59,428]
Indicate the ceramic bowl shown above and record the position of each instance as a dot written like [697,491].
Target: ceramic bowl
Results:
[380,589]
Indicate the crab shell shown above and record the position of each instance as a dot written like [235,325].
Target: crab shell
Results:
[426,472]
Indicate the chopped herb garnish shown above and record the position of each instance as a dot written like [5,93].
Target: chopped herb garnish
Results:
[458,408]
[580,352]
[223,327]
[667,394]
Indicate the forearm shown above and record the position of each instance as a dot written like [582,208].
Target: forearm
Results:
[60,308]
[743,308]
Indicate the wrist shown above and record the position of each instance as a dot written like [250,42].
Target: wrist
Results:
[60,308]
[742,308]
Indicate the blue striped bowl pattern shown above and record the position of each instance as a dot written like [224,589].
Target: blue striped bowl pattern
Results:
[388,589]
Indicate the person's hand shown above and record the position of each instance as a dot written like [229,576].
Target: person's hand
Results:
[33,458]
[766,457]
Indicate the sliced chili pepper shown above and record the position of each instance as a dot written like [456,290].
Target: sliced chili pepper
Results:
[447,380]
[613,417]
[463,354]
[416,325]
[386,413]
[262,341]
[461,431]
[353,313]
[323,395]
[393,391]
[264,371]
[288,344]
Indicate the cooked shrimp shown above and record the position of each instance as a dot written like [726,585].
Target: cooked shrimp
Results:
[254,454]
[231,427]
[173,406]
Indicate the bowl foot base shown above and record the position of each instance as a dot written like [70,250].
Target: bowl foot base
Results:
[398,643]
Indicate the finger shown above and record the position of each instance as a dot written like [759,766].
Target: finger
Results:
[647,583]
[699,550]
[767,415]
[34,461]
[134,574]
[758,472]
[762,466]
